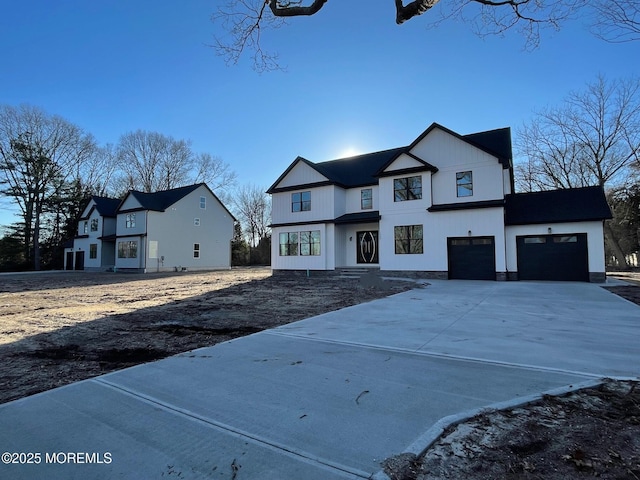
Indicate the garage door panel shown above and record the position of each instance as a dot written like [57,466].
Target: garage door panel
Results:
[471,258]
[553,257]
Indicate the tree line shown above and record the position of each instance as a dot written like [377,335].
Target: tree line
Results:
[50,168]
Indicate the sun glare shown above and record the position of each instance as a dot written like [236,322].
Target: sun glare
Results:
[349,152]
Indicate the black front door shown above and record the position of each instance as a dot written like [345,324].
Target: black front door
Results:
[367,247]
[79,260]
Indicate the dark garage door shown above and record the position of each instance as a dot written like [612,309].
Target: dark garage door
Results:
[553,257]
[472,258]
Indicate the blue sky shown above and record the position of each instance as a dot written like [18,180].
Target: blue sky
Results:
[354,81]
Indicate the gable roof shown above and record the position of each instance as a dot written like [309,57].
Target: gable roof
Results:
[350,172]
[105,206]
[555,206]
[494,142]
[160,201]
[361,170]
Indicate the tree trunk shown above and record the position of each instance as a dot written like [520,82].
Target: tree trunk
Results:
[615,246]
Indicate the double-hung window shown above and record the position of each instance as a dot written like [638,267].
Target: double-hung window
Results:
[408,239]
[310,243]
[94,224]
[464,184]
[301,202]
[288,244]
[407,188]
[130,220]
[366,198]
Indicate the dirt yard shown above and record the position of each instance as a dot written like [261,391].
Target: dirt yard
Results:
[59,328]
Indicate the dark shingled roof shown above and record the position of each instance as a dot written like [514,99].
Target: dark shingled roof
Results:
[497,141]
[160,201]
[362,170]
[359,170]
[555,206]
[358,217]
[106,207]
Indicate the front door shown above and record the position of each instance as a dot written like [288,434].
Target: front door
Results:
[79,260]
[367,247]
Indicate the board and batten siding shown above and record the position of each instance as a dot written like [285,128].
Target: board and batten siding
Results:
[301,174]
[322,206]
[452,155]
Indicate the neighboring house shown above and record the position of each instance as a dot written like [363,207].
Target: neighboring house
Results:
[185,228]
[442,207]
[93,247]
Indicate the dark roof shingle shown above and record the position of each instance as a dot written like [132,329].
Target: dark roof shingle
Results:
[555,206]
[160,201]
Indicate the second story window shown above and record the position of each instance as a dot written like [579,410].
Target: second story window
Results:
[94,224]
[407,188]
[464,184]
[366,198]
[203,202]
[130,220]
[85,227]
[301,202]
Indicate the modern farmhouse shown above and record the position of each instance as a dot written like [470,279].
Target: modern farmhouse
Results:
[185,228]
[442,207]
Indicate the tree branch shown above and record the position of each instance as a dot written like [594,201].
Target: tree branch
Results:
[293,8]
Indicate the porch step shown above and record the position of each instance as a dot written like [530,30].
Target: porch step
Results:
[355,272]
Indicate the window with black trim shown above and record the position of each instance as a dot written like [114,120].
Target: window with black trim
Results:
[366,198]
[310,243]
[464,184]
[288,244]
[301,201]
[130,220]
[407,188]
[85,227]
[203,202]
[94,224]
[128,249]
[93,250]
[408,239]
[196,250]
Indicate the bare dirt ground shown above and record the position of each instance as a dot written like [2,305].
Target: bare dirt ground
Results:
[59,328]
[62,327]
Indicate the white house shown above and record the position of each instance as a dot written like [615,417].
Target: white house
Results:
[442,207]
[185,228]
[94,245]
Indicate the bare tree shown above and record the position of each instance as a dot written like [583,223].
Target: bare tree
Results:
[592,139]
[617,20]
[151,161]
[253,209]
[213,171]
[39,156]
[98,172]
[245,20]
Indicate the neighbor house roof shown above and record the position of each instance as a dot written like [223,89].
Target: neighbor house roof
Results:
[160,201]
[555,206]
[105,206]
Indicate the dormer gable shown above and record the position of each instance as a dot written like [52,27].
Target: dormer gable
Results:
[300,173]
[405,163]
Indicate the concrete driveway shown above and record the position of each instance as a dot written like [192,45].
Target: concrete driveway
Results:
[328,397]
